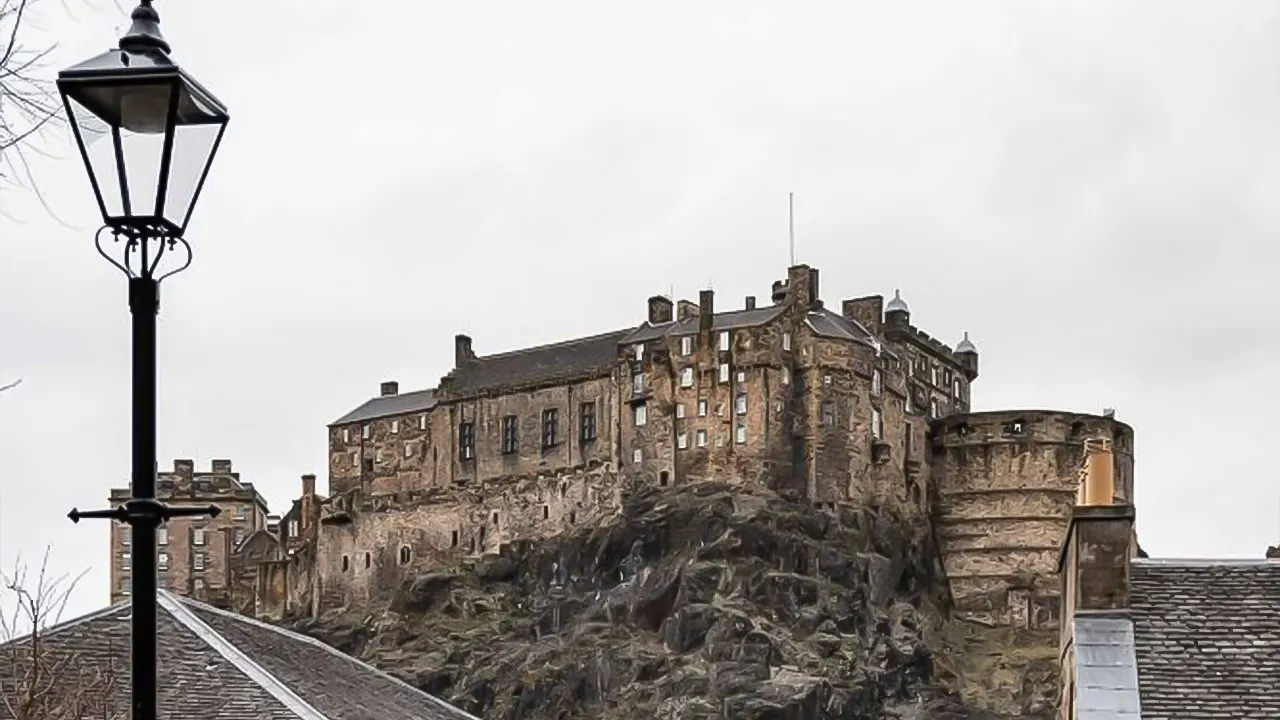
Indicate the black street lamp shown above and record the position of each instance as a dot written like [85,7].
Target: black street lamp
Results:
[163,130]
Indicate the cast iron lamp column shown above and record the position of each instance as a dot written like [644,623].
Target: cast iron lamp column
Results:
[164,130]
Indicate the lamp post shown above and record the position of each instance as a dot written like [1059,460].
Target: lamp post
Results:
[147,132]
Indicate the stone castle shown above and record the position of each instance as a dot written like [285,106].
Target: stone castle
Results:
[851,406]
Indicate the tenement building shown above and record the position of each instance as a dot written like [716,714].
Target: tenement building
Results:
[194,553]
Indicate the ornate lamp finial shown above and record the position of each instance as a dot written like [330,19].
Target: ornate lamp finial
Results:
[144,33]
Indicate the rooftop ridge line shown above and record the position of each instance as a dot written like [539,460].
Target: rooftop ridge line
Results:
[239,659]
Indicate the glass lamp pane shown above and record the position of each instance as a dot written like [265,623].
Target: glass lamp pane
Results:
[193,147]
[138,116]
[100,155]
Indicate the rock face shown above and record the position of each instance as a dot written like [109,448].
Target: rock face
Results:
[704,601]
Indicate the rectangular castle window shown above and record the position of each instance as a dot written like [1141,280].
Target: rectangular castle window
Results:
[408,450]
[365,432]
[395,426]
[786,341]
[466,440]
[422,422]
[197,536]
[453,539]
[346,435]
[829,413]
[686,345]
[955,388]
[510,441]
[877,425]
[637,384]
[724,372]
[587,419]
[682,441]
[637,456]
[639,351]
[786,376]
[641,415]
[162,561]
[935,410]
[162,536]
[368,465]
[933,376]
[724,341]
[550,427]
[740,434]
[702,408]
[700,438]
[125,561]
[740,404]
[546,511]
[877,382]
[197,561]
[686,377]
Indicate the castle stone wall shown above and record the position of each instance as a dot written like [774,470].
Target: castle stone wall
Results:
[1006,482]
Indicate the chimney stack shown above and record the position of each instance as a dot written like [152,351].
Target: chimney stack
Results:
[462,353]
[184,469]
[221,467]
[659,310]
[751,302]
[389,388]
[1094,562]
[706,309]
[308,485]
[686,310]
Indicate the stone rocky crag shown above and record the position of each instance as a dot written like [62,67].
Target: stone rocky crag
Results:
[705,601]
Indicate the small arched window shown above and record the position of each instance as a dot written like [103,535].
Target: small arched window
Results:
[405,554]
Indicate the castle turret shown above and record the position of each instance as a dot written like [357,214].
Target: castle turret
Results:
[966,353]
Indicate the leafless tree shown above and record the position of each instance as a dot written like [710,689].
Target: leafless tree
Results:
[41,679]
[29,105]
[11,385]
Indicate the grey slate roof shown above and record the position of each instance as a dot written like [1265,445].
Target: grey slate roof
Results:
[570,360]
[689,326]
[833,325]
[410,402]
[215,665]
[1207,638]
[1106,673]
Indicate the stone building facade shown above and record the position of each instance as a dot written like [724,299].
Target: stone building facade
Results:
[194,553]
[855,405]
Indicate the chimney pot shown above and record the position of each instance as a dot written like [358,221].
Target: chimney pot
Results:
[751,302]
[1099,478]
[389,388]
[686,309]
[779,292]
[221,466]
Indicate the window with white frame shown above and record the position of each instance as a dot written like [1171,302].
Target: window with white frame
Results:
[679,410]
[682,441]
[724,372]
[293,528]
[700,437]
[637,384]
[826,379]
[395,426]
[740,404]
[786,341]
[933,375]
[702,408]
[125,561]
[365,432]
[877,425]
[162,536]
[724,341]
[355,459]
[346,435]
[637,456]
[740,434]
[877,381]
[197,561]
[955,388]
[935,410]
[639,351]
[197,536]
[686,345]
[422,422]
[742,376]
[686,377]
[162,561]
[408,450]
[641,415]
[786,376]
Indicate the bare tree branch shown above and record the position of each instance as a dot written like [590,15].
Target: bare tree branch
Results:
[40,680]
[11,385]
[30,109]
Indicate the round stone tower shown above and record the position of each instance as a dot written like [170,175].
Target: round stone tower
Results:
[1006,482]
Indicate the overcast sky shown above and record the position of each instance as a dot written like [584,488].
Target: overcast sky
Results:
[1089,188]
